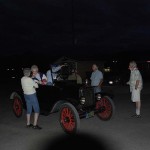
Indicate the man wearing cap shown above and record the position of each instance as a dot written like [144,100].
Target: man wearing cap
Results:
[136,85]
[52,73]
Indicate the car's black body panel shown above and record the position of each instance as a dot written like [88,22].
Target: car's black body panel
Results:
[73,102]
[48,96]
[52,97]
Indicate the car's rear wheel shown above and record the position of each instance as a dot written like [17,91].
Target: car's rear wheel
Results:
[17,106]
[69,118]
[106,108]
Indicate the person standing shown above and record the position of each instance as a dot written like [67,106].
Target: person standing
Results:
[96,79]
[75,76]
[37,76]
[52,73]
[29,90]
[136,85]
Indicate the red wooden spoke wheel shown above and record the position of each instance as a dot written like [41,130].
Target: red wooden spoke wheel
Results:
[106,107]
[17,106]
[69,118]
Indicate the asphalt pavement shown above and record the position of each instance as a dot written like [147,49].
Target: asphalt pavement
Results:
[122,132]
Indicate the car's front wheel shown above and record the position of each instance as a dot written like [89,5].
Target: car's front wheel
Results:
[69,118]
[106,108]
[17,106]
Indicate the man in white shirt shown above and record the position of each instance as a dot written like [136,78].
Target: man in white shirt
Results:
[136,85]
[37,76]
[52,73]
[96,79]
[29,90]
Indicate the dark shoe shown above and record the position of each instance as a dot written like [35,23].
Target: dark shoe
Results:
[138,116]
[29,126]
[37,127]
[134,115]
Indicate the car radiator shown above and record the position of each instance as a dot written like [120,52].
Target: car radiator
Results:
[88,94]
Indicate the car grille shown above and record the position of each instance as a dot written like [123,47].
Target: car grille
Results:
[88,94]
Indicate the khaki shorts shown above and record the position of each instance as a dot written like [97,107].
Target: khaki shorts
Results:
[136,95]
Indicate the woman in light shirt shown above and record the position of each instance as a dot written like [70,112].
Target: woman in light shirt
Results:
[29,89]
[136,85]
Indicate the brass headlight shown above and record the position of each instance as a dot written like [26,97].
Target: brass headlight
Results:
[82,100]
[98,96]
[111,82]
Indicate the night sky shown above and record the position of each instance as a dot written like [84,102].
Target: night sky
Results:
[99,27]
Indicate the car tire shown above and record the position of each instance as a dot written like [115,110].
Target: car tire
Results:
[106,107]
[17,106]
[69,118]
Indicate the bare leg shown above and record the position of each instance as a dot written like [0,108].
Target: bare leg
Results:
[36,116]
[28,119]
[138,107]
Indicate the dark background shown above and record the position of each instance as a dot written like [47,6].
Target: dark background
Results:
[41,31]
[99,27]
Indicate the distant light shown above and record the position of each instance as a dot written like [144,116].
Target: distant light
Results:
[115,61]
[13,77]
[111,82]
[12,69]
[107,69]
[148,61]
[8,69]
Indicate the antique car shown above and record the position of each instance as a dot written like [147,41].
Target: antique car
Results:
[72,101]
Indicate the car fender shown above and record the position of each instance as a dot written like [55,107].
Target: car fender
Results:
[111,95]
[13,94]
[57,106]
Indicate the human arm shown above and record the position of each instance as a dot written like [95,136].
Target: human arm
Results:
[128,83]
[100,83]
[35,85]
[137,79]
[137,84]
[55,69]
[101,79]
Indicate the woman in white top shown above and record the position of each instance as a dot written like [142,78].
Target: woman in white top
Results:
[29,89]
[136,85]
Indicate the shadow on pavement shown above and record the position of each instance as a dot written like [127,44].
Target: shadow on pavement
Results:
[80,141]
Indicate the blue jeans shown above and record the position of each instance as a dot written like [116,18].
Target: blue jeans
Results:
[32,101]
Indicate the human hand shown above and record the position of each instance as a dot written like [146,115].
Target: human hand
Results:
[44,82]
[39,82]
[36,81]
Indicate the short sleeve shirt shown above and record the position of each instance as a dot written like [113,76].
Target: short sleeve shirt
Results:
[28,85]
[96,77]
[39,78]
[134,76]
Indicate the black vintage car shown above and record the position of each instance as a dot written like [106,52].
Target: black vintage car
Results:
[71,100]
